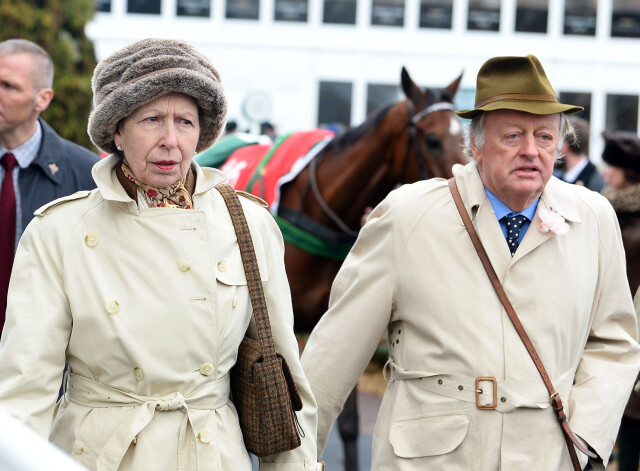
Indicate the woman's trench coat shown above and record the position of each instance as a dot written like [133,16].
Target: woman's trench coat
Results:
[414,275]
[148,307]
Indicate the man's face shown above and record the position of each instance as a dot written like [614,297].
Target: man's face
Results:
[517,158]
[20,103]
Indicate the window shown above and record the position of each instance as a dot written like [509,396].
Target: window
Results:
[334,103]
[102,5]
[622,113]
[625,20]
[531,16]
[484,15]
[387,12]
[340,12]
[436,13]
[198,8]
[291,10]
[580,99]
[144,6]
[243,9]
[379,96]
[580,17]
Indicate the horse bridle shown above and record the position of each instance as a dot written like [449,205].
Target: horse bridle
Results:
[413,134]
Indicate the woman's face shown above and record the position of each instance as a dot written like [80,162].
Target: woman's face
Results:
[159,139]
[614,177]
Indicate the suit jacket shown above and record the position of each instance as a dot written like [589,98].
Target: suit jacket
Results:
[414,275]
[60,169]
[591,177]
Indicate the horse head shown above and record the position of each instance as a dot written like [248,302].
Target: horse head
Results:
[435,137]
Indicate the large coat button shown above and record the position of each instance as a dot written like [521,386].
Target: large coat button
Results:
[91,240]
[204,436]
[222,266]
[112,307]
[137,372]
[206,369]
[184,265]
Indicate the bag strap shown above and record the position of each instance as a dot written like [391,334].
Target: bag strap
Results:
[554,397]
[251,270]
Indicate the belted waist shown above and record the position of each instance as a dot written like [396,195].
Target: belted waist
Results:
[89,393]
[485,391]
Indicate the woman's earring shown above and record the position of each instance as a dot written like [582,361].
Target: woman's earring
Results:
[119,148]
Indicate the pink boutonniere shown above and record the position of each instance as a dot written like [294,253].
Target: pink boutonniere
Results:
[552,221]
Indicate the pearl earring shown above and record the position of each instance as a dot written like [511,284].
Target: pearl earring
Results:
[119,148]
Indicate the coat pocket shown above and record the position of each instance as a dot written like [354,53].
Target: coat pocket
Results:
[428,436]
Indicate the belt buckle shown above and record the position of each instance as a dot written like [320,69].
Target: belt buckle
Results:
[494,404]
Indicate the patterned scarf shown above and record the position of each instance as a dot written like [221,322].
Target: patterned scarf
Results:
[174,196]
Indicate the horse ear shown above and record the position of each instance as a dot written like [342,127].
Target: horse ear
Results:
[410,89]
[452,88]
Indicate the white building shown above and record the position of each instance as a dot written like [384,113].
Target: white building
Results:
[301,63]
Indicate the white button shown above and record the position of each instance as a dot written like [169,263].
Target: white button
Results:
[206,369]
[112,307]
[184,266]
[222,266]
[204,436]
[137,372]
[78,447]
[91,240]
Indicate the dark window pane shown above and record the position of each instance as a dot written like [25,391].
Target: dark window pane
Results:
[436,13]
[102,5]
[622,113]
[144,6]
[387,12]
[243,9]
[484,15]
[580,17]
[531,16]
[580,99]
[340,12]
[291,10]
[625,21]
[379,95]
[334,103]
[193,8]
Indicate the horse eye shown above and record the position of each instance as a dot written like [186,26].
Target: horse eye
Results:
[432,141]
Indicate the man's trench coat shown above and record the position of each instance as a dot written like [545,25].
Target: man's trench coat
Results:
[148,307]
[414,275]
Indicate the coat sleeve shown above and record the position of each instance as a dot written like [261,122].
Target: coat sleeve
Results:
[360,306]
[37,328]
[278,299]
[611,357]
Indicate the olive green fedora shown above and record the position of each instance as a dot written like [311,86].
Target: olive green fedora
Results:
[515,83]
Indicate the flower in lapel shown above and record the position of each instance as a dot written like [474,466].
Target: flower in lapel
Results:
[552,221]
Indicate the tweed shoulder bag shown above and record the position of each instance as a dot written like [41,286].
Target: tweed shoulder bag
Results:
[262,385]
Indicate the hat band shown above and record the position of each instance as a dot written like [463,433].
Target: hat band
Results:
[517,96]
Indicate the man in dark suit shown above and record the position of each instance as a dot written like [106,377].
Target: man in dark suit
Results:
[36,164]
[576,167]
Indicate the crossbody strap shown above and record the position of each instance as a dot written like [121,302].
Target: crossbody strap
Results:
[556,401]
[251,270]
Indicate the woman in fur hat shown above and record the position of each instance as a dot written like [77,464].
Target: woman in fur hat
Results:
[139,286]
[622,176]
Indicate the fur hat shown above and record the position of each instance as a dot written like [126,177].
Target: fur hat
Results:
[622,149]
[148,69]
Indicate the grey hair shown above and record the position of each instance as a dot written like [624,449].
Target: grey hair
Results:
[476,130]
[42,69]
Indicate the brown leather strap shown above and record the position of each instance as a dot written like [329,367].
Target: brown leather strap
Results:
[554,397]
[251,270]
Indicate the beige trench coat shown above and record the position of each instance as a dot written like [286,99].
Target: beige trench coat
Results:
[414,275]
[148,307]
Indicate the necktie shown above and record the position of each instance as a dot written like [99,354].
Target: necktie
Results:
[514,224]
[7,229]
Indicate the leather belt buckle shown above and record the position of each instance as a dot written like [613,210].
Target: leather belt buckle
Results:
[479,391]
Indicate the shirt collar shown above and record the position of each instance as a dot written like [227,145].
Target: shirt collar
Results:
[573,174]
[26,152]
[502,209]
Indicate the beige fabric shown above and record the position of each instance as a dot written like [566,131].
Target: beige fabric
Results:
[86,290]
[414,276]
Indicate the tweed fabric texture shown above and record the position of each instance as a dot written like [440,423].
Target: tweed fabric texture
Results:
[263,389]
[143,71]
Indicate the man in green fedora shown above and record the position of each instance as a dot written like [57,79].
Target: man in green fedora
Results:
[464,391]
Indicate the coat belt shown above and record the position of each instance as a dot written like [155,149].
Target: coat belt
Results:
[89,393]
[510,394]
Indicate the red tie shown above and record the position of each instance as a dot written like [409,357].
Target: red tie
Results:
[7,229]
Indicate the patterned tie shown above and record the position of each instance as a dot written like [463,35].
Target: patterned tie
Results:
[514,224]
[7,229]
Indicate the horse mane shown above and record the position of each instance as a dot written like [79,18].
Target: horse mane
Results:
[354,135]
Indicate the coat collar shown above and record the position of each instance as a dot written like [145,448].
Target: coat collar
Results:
[110,188]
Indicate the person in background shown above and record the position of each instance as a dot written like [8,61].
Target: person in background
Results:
[139,286]
[622,176]
[463,391]
[269,130]
[36,164]
[576,166]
